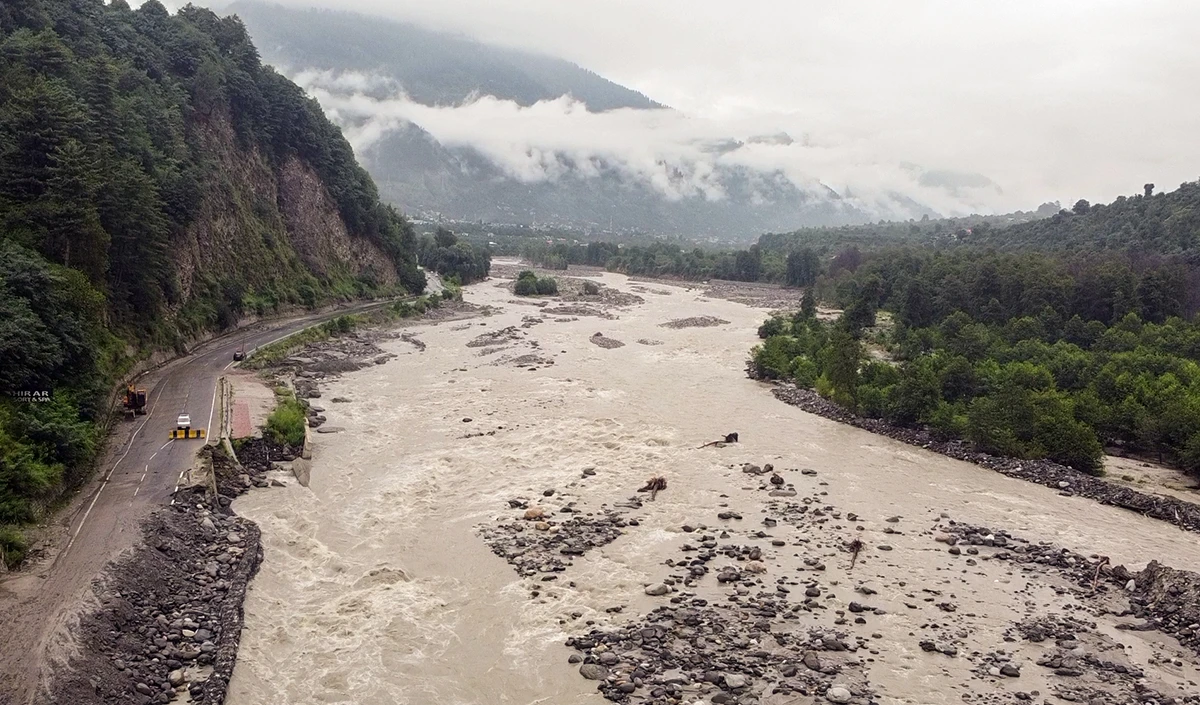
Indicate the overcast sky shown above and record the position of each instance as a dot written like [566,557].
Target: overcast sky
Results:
[1052,99]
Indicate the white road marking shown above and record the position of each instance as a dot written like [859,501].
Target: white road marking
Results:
[104,482]
[129,446]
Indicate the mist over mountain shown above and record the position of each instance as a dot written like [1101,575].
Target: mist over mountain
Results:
[453,127]
[434,68]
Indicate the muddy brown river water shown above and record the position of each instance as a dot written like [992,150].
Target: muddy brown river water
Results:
[377,587]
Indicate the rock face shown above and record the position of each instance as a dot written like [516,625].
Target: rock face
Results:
[301,218]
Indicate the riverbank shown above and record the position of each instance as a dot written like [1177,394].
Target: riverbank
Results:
[1069,481]
[168,615]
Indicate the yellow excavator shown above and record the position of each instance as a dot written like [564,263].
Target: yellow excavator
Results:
[135,402]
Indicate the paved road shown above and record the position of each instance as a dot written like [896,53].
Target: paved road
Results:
[141,471]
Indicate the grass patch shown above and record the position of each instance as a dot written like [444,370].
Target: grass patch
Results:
[286,423]
[268,355]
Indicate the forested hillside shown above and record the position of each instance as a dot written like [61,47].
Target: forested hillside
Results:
[156,182]
[1146,224]
[1157,224]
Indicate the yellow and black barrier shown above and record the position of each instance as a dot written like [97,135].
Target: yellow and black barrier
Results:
[181,433]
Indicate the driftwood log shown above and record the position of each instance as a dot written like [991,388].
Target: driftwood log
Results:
[653,485]
[729,438]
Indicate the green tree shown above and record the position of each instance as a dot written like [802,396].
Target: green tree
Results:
[842,359]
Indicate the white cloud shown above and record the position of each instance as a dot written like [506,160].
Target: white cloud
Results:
[677,154]
[1052,100]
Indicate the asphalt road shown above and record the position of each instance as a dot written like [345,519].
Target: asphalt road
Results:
[142,470]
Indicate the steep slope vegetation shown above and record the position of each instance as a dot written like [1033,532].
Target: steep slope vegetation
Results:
[156,182]
[1147,224]
[434,68]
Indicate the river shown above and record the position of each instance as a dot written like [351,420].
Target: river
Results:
[376,587]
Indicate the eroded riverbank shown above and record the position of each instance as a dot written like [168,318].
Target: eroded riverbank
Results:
[379,584]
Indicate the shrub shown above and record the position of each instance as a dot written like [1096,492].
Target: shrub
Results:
[775,325]
[526,287]
[547,286]
[286,423]
[12,547]
[591,288]
[804,371]
[526,274]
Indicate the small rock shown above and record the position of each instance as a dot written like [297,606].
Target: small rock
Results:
[838,694]
[1010,670]
[657,590]
[735,680]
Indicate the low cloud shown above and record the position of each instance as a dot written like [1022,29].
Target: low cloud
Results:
[680,156]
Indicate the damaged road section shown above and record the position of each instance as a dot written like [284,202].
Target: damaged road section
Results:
[169,614]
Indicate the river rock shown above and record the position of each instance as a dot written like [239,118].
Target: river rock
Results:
[593,671]
[735,680]
[838,694]
[657,590]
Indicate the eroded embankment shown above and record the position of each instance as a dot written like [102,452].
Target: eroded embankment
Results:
[1183,514]
[169,614]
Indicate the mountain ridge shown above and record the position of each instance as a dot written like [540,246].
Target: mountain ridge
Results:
[435,68]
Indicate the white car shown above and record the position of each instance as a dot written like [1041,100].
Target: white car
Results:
[184,421]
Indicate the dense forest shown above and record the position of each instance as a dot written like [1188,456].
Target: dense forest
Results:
[458,260]
[1149,229]
[1029,354]
[155,183]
